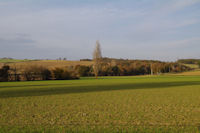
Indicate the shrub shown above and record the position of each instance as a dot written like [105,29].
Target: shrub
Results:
[199,64]
[36,73]
[83,70]
[63,74]
[4,73]
[46,74]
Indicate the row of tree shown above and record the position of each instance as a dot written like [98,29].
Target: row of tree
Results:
[106,67]
[113,67]
[120,67]
[189,61]
[35,72]
[101,67]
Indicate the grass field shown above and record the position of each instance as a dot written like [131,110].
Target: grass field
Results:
[12,60]
[109,104]
[191,73]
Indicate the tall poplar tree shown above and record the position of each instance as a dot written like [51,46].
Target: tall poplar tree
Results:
[97,58]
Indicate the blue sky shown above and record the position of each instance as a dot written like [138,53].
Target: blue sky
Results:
[135,29]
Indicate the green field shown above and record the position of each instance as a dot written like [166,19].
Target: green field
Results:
[109,104]
[12,60]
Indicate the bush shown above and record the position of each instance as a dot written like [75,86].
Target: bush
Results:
[63,74]
[36,73]
[4,73]
[46,74]
[199,64]
[83,70]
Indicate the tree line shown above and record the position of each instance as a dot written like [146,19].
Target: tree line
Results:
[120,67]
[35,72]
[106,67]
[101,67]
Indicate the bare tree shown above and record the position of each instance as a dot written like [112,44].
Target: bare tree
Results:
[151,68]
[97,59]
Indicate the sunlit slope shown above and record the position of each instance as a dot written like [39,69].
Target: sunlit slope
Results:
[50,63]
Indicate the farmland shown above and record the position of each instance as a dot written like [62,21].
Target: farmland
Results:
[45,63]
[132,103]
[7,60]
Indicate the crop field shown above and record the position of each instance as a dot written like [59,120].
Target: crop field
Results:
[108,104]
[11,61]
[51,64]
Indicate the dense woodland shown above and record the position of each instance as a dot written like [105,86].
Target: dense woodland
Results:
[108,67]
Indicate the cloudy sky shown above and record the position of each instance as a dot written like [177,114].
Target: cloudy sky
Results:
[134,29]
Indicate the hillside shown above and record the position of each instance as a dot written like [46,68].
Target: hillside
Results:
[195,72]
[48,63]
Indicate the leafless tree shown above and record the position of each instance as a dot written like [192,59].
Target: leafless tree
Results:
[151,68]
[97,57]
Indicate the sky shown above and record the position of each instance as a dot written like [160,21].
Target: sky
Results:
[164,30]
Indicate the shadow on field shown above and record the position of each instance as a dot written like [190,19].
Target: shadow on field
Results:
[90,88]
[31,85]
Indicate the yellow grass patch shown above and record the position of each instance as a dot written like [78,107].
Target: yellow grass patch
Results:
[192,73]
[50,63]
